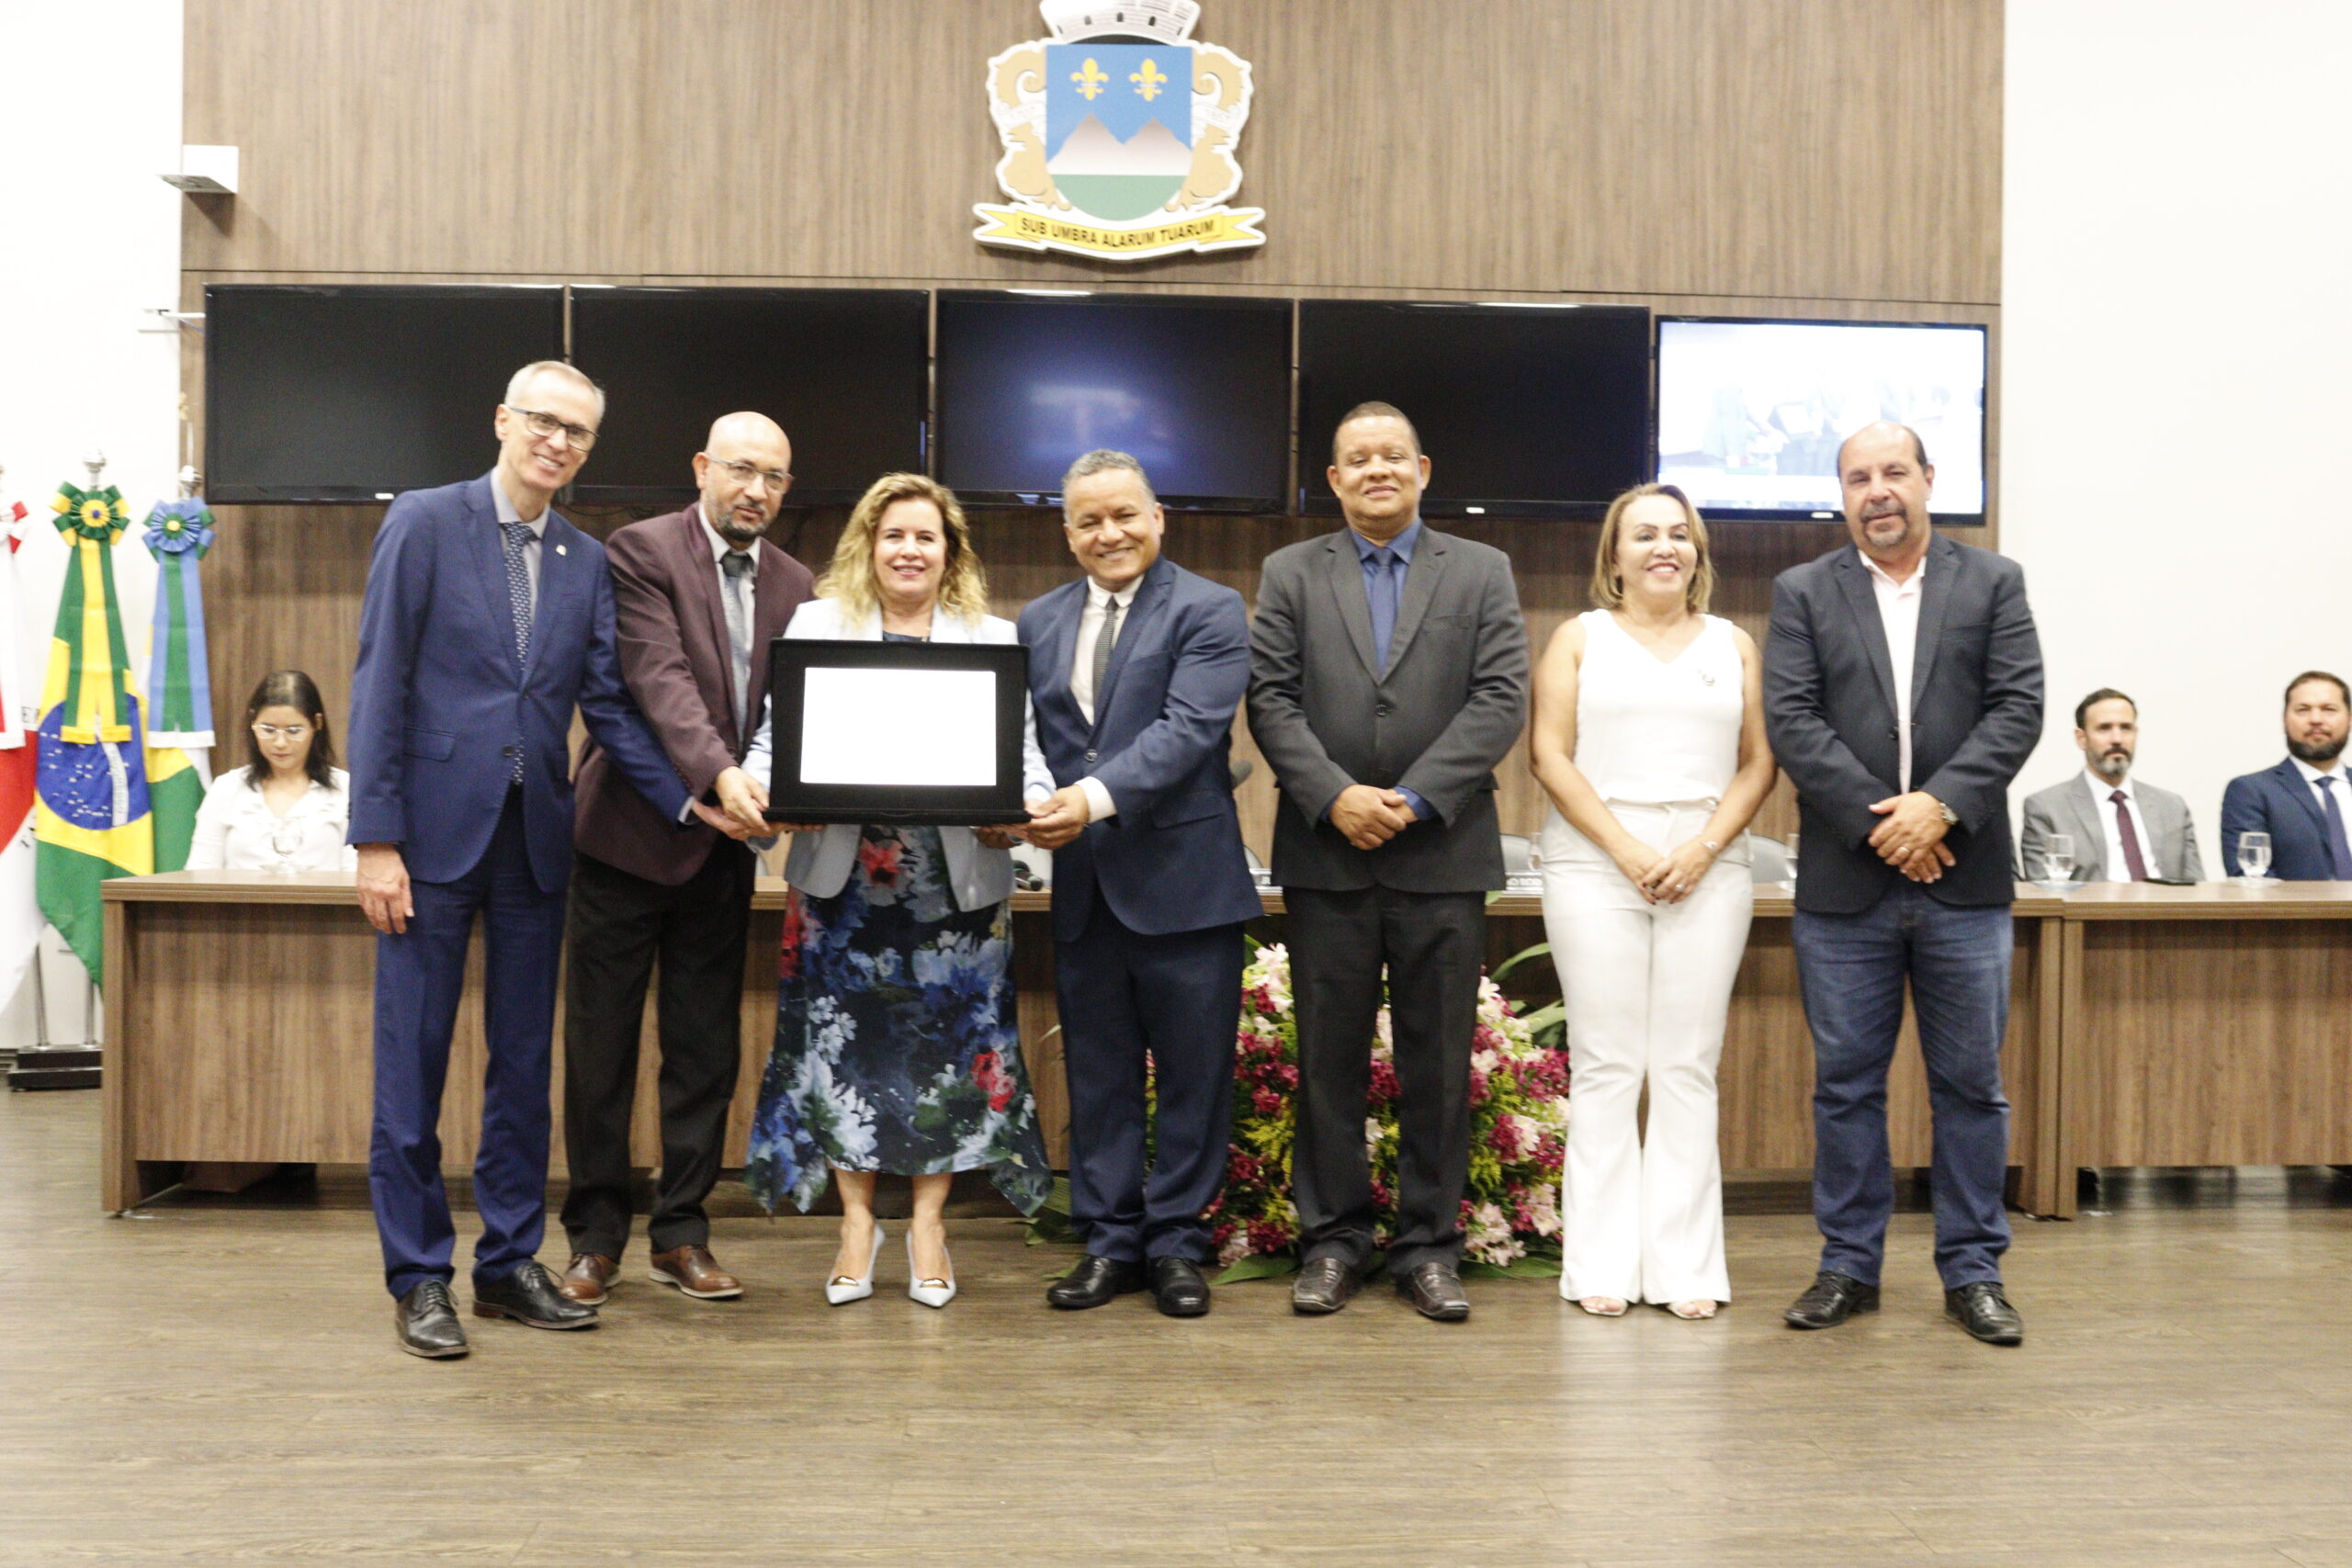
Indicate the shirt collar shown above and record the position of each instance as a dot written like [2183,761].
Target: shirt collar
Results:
[718,545]
[2312,775]
[507,514]
[1100,596]
[2101,789]
[1402,545]
[1909,585]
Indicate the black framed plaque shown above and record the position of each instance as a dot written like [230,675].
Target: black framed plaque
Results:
[927,733]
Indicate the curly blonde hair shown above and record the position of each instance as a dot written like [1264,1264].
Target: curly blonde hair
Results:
[849,578]
[1609,588]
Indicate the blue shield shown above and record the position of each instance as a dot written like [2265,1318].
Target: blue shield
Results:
[1118,126]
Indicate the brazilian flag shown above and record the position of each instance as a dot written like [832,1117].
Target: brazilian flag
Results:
[106,806]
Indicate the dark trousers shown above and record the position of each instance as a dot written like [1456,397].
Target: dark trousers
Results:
[619,925]
[1852,969]
[419,977]
[1431,945]
[1177,998]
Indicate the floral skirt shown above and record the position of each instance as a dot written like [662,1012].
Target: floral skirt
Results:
[896,1043]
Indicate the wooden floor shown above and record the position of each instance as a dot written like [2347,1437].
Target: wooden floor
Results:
[217,1383]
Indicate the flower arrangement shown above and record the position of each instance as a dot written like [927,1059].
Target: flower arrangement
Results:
[1519,1117]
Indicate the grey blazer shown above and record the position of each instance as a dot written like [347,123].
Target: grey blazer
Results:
[1446,710]
[2070,809]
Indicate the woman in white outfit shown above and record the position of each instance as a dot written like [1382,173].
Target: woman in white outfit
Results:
[286,809]
[1649,739]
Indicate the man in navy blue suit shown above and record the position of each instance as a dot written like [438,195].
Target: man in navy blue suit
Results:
[1135,672]
[487,620]
[2301,803]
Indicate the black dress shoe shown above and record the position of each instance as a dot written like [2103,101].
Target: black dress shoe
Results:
[1324,1285]
[1178,1287]
[1094,1281]
[1985,1312]
[530,1294]
[427,1321]
[1830,1301]
[1435,1291]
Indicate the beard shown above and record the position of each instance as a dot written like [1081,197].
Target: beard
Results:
[730,528]
[2112,767]
[2316,752]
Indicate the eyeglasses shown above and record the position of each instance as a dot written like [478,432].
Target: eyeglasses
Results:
[296,733]
[546,425]
[745,473]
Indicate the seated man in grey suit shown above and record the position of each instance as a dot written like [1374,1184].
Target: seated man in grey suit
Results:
[2122,830]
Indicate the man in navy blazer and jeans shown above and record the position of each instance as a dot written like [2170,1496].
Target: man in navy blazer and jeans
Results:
[2304,802]
[487,620]
[1135,672]
[1901,693]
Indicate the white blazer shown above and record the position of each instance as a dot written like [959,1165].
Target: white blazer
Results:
[820,864]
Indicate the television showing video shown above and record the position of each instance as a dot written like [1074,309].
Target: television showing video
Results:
[1750,413]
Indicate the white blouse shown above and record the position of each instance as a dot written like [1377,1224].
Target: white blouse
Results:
[236,831]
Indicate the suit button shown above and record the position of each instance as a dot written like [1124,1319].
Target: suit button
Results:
[1089,756]
[510,750]
[1381,712]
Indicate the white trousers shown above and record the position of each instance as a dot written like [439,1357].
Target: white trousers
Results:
[1647,988]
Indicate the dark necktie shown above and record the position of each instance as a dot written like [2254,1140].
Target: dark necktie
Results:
[2130,837]
[2339,851]
[737,567]
[1102,641]
[519,600]
[1384,604]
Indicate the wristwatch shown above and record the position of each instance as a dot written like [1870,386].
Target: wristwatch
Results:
[1952,817]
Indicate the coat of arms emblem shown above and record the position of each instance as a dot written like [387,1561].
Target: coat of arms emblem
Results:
[1119,135]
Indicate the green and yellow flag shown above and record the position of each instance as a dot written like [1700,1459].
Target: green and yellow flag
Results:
[106,806]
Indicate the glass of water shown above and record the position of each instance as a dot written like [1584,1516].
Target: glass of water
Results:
[1792,862]
[2058,861]
[2254,857]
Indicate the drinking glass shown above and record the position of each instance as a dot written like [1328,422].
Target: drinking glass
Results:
[1792,862]
[2254,856]
[2058,860]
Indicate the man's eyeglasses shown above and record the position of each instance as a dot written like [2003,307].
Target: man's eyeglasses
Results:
[296,733]
[745,473]
[546,425]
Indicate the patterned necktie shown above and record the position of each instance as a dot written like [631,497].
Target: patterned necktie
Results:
[1383,604]
[1102,644]
[736,585]
[2339,851]
[2129,836]
[518,598]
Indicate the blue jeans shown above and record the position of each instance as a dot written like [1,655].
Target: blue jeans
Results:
[1852,969]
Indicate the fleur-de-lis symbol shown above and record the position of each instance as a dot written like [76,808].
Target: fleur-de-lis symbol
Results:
[1149,81]
[1089,80]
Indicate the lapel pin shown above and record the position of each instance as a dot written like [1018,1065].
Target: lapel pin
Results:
[1706,679]
[559,550]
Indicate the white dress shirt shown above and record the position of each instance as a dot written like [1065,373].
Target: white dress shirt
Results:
[236,831]
[532,546]
[1099,804]
[2118,868]
[1898,611]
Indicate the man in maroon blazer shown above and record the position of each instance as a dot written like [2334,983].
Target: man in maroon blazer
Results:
[697,595]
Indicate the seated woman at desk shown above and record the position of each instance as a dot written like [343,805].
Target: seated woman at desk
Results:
[287,809]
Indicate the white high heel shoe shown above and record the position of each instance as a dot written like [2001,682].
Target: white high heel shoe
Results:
[840,1289]
[931,1293]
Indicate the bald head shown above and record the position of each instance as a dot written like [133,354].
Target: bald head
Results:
[743,471]
[1885,478]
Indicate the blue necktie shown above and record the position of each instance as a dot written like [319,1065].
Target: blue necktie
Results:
[1383,593]
[518,596]
[2339,852]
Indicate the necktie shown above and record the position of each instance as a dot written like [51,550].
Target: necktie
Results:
[1384,604]
[2131,838]
[518,598]
[1102,641]
[2339,851]
[737,567]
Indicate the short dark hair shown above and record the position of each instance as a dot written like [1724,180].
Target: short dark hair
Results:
[2342,693]
[1373,411]
[1918,447]
[290,688]
[2104,694]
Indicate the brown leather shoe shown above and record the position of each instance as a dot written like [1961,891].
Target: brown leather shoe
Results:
[695,1273]
[589,1279]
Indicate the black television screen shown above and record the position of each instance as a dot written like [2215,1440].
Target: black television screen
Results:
[844,370]
[1537,411]
[356,392]
[1196,388]
[1750,412]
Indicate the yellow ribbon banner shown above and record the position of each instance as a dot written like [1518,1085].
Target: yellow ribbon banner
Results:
[1034,228]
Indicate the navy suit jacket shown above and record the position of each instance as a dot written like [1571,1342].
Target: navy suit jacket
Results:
[2278,802]
[437,703]
[1170,859]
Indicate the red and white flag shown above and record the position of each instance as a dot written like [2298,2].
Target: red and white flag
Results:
[20,917]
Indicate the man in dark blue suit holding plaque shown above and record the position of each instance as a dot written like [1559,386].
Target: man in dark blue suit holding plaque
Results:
[488,619]
[1135,672]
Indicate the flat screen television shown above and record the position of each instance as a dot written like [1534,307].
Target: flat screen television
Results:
[1750,413]
[1196,388]
[845,371]
[356,392]
[1536,410]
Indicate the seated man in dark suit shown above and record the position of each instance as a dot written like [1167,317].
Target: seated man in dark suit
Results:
[2301,803]
[2122,829]
[1135,671]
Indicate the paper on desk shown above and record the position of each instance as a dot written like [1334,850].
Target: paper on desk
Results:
[898,726]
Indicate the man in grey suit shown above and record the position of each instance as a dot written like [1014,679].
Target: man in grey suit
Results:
[2122,830]
[1389,676]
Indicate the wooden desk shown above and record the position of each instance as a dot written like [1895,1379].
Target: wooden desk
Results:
[2206,1025]
[241,1004]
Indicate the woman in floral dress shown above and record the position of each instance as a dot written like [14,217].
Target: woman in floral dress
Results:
[896,1045]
